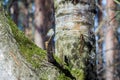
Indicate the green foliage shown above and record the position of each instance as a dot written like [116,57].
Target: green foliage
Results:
[79,73]
[63,77]
[117,1]
[58,59]
[28,49]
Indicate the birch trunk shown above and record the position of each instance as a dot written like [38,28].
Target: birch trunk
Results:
[74,37]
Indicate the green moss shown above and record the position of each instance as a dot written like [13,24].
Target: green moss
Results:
[28,49]
[63,77]
[60,61]
[78,73]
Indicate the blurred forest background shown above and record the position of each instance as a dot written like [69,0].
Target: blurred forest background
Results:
[22,13]
[36,25]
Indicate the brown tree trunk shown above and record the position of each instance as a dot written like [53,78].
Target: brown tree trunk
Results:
[14,11]
[44,21]
[26,18]
[100,40]
[111,40]
[39,23]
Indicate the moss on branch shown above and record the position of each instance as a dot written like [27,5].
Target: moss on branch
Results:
[28,49]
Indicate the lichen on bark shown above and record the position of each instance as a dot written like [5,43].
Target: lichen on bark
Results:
[73,48]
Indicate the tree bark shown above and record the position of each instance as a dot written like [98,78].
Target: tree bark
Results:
[111,41]
[14,9]
[100,41]
[44,20]
[74,38]
[39,23]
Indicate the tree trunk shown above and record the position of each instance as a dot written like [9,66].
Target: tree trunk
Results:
[39,23]
[111,41]
[14,9]
[44,20]
[100,42]
[74,37]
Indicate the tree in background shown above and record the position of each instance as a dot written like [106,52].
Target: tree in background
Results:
[101,19]
[14,10]
[44,20]
[21,12]
[40,23]
[111,42]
